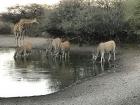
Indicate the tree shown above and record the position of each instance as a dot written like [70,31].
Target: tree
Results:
[15,13]
[92,20]
[137,16]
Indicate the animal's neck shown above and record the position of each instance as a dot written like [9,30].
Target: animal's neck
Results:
[97,52]
[28,23]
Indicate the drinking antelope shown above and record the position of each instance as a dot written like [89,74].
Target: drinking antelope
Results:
[106,47]
[65,49]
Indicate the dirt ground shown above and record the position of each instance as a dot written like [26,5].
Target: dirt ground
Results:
[118,88]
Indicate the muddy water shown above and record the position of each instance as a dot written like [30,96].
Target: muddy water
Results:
[40,75]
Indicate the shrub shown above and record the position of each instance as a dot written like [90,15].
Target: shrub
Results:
[5,28]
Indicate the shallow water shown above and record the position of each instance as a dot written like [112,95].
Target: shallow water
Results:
[40,75]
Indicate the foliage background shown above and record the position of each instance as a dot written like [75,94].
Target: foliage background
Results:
[91,21]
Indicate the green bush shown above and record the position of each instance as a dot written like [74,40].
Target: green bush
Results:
[91,20]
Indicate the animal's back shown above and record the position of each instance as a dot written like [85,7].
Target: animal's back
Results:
[27,46]
[100,48]
[65,45]
[110,45]
[56,43]
[106,47]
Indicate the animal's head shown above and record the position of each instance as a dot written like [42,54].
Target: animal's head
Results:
[18,52]
[94,56]
[21,50]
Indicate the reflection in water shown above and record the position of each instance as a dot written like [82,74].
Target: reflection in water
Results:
[106,65]
[40,74]
[22,62]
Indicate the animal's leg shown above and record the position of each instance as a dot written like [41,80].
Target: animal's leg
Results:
[102,66]
[23,40]
[109,57]
[20,44]
[93,56]
[56,53]
[65,55]
[26,32]
[114,55]
[68,54]
[16,39]
[50,51]
[17,42]
[62,54]
[24,52]
[102,57]
[61,57]
[20,37]
[23,34]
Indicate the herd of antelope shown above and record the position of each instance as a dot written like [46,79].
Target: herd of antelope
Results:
[56,47]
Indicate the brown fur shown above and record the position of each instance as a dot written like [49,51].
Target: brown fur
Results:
[24,50]
[106,47]
[56,44]
[65,48]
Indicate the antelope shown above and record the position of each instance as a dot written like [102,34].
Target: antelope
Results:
[49,46]
[65,49]
[23,50]
[56,46]
[106,47]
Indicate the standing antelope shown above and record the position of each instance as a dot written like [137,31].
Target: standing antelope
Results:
[56,46]
[49,46]
[65,49]
[21,28]
[106,47]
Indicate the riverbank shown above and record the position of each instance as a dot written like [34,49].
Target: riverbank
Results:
[9,41]
[37,42]
[119,87]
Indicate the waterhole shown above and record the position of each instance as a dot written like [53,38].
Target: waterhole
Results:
[42,75]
